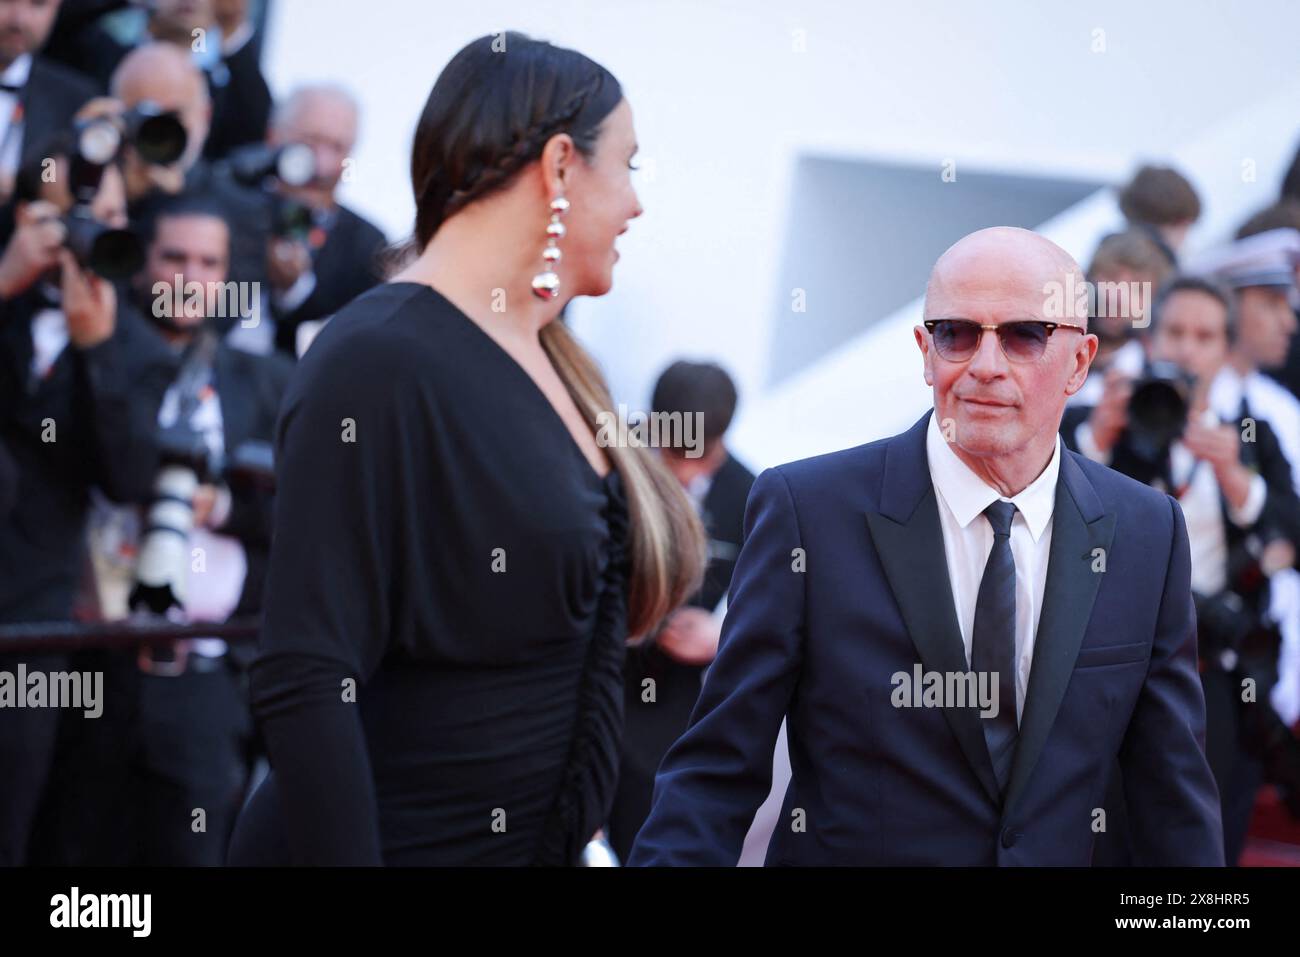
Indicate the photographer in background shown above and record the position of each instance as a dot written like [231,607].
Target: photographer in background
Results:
[138,783]
[1261,271]
[1281,215]
[1243,522]
[194,714]
[161,76]
[216,34]
[337,259]
[81,380]
[37,96]
[676,657]
[1162,203]
[1125,271]
[242,103]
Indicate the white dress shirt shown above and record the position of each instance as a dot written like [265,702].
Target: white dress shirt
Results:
[1201,502]
[1268,400]
[962,498]
[1202,505]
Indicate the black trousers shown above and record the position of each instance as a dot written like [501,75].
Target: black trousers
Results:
[156,780]
[190,769]
[27,747]
[1238,774]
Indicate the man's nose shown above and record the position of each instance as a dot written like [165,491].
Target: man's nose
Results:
[989,360]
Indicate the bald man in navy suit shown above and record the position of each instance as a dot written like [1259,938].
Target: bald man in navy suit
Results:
[966,625]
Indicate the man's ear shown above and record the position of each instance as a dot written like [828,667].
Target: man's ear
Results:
[924,345]
[1084,353]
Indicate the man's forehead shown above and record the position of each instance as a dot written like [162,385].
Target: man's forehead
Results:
[967,293]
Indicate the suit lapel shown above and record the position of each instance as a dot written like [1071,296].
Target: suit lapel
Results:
[909,541]
[39,111]
[1079,527]
[237,408]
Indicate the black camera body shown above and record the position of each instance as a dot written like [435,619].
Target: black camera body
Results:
[1158,409]
[112,253]
[262,166]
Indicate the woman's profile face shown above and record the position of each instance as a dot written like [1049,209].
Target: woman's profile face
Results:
[602,202]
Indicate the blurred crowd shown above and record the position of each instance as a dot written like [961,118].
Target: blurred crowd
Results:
[1196,390]
[172,240]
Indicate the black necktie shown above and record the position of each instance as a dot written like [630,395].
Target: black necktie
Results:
[993,639]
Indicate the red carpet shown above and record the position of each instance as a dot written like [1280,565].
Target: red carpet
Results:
[1274,839]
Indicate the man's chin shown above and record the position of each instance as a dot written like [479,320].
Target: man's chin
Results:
[981,438]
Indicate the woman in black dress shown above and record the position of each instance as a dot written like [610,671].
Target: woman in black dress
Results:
[457,561]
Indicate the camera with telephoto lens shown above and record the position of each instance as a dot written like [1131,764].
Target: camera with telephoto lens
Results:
[1158,408]
[187,463]
[158,135]
[106,251]
[293,164]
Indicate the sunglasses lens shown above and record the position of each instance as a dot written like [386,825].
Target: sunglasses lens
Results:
[1023,341]
[955,340]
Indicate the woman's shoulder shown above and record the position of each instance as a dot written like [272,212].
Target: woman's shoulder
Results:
[382,315]
[391,328]
[373,351]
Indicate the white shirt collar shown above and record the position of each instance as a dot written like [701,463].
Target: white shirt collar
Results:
[698,489]
[1226,392]
[19,71]
[967,496]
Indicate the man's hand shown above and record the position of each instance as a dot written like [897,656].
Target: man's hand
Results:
[205,497]
[1277,555]
[287,260]
[1110,416]
[102,108]
[33,249]
[1219,445]
[89,303]
[690,636]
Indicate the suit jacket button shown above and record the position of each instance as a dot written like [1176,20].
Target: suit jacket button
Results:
[1009,837]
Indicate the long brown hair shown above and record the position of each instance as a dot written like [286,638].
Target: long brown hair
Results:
[491,112]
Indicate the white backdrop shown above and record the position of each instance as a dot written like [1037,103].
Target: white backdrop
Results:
[727,94]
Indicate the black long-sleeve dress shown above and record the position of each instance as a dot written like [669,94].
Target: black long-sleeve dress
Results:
[440,674]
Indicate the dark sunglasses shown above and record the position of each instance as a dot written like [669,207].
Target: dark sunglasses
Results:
[1024,341]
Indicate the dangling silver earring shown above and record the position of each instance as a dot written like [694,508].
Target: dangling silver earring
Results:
[546,284]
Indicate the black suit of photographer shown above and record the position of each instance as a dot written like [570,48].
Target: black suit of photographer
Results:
[250,388]
[87,422]
[193,740]
[1280,515]
[102,403]
[124,787]
[50,98]
[1245,743]
[346,264]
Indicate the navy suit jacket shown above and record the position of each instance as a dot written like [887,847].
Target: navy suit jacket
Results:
[843,582]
